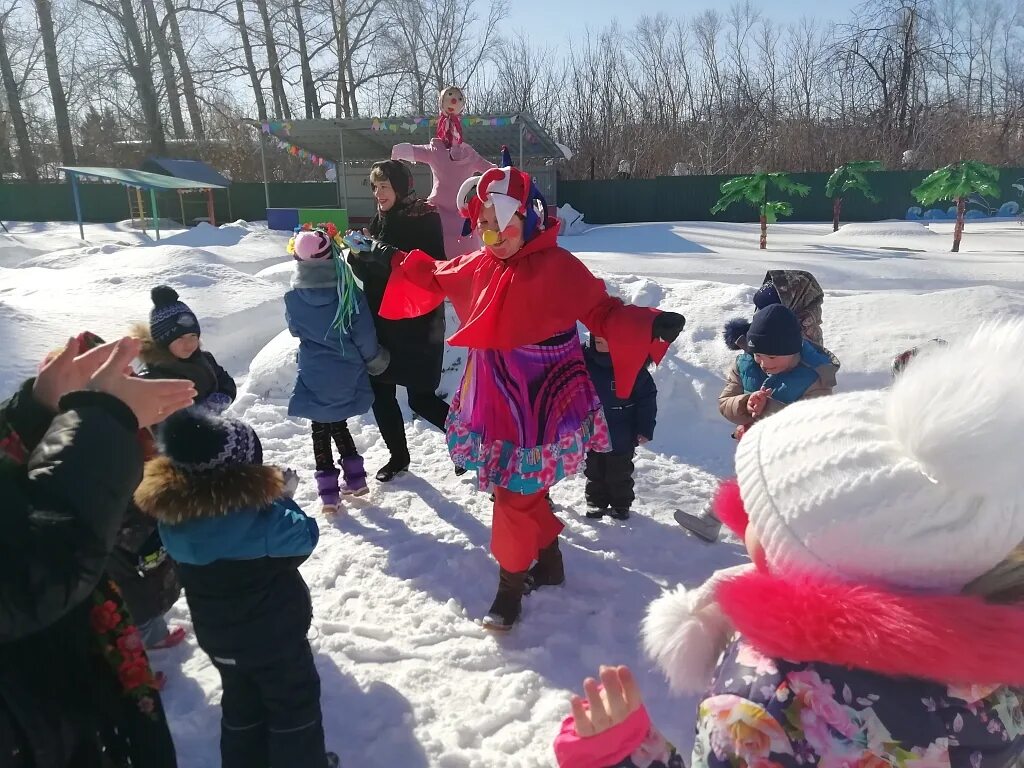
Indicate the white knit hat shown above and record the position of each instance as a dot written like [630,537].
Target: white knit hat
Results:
[919,486]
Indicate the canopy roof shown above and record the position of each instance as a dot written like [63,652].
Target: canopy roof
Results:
[368,140]
[138,179]
[190,170]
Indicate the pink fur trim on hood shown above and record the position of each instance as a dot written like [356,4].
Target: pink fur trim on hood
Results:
[950,639]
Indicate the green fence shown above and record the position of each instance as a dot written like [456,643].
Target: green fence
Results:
[103,203]
[690,198]
[666,198]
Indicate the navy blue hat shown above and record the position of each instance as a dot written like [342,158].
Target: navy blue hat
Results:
[170,318]
[767,295]
[775,330]
[198,440]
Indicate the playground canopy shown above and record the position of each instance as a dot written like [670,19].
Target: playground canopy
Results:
[140,180]
[358,141]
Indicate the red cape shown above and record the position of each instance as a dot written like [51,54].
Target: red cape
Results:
[538,292]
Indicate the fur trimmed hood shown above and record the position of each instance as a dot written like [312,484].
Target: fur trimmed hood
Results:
[151,353]
[949,639]
[174,496]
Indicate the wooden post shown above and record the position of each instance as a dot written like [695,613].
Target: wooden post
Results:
[181,201]
[209,208]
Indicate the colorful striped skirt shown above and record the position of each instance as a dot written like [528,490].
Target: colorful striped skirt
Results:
[525,418]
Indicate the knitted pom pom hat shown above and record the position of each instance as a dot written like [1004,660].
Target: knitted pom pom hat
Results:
[170,318]
[199,441]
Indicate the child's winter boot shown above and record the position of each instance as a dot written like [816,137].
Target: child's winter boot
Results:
[355,475]
[549,570]
[508,603]
[327,488]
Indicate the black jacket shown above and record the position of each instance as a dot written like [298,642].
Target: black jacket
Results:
[201,369]
[61,510]
[416,344]
[238,544]
[141,568]
[628,418]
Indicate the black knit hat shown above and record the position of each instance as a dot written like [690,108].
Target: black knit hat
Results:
[775,330]
[398,175]
[170,318]
[199,441]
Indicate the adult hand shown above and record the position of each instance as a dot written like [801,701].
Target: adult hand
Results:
[609,706]
[641,440]
[667,326]
[741,430]
[151,400]
[757,402]
[69,371]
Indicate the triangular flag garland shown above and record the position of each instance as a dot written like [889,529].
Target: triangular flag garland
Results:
[274,130]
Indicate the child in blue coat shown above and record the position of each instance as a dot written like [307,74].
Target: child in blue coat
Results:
[630,423]
[338,352]
[230,524]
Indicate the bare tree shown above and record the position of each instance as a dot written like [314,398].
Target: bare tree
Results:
[60,104]
[26,161]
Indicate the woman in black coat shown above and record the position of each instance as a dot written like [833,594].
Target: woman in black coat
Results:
[416,345]
[75,686]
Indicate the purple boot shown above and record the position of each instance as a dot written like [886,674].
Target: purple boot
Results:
[327,488]
[355,475]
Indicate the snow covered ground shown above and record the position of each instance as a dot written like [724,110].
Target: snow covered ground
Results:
[409,679]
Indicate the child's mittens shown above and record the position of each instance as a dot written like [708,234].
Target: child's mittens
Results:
[380,363]
[291,482]
[218,402]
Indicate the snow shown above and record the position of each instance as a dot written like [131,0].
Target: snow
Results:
[409,678]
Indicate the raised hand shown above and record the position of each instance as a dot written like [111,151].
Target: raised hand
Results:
[69,371]
[151,400]
[608,704]
[667,326]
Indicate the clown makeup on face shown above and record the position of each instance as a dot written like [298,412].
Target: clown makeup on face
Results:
[775,364]
[185,346]
[384,194]
[510,239]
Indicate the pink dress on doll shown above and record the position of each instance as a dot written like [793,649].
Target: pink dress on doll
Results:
[450,168]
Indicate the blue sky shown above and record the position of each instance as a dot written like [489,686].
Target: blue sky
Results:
[547,25]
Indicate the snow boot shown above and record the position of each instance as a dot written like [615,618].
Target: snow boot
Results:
[392,469]
[508,603]
[620,513]
[549,570]
[705,526]
[355,475]
[328,490]
[333,761]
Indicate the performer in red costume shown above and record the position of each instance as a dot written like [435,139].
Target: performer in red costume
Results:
[526,412]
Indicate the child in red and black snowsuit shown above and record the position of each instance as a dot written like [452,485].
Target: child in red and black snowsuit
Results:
[631,423]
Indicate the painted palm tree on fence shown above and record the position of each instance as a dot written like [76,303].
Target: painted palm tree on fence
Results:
[753,190]
[850,177]
[957,182]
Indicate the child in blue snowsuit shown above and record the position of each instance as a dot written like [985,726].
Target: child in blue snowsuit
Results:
[238,539]
[338,352]
[776,367]
[630,423]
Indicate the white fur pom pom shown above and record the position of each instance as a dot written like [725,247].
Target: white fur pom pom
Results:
[956,409]
[685,633]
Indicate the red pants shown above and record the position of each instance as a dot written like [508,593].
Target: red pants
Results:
[522,526]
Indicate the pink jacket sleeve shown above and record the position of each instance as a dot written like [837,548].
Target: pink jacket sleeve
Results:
[413,153]
[604,750]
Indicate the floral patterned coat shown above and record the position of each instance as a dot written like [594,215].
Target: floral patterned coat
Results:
[765,713]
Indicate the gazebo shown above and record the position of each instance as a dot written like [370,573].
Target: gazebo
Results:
[140,181]
[355,142]
[192,170]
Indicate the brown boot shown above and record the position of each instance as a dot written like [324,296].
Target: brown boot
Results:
[507,603]
[549,571]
